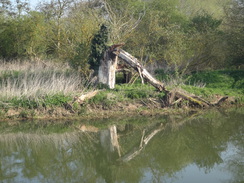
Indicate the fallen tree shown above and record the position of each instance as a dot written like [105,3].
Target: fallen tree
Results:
[107,76]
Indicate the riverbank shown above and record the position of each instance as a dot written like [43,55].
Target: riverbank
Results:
[105,105]
[48,91]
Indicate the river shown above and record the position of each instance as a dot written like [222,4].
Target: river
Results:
[200,147]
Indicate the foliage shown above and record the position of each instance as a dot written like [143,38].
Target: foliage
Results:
[179,36]
[219,79]
[57,100]
[235,33]
[103,99]
[204,23]
[98,47]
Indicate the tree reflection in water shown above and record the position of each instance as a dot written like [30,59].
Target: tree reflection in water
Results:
[125,153]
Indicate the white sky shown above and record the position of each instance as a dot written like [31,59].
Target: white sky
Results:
[33,3]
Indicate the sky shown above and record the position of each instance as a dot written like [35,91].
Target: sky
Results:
[33,3]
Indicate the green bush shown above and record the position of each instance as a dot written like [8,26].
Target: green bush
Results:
[24,103]
[215,79]
[137,94]
[44,101]
[99,98]
[23,114]
[56,100]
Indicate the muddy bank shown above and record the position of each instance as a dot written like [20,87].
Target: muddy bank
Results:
[149,107]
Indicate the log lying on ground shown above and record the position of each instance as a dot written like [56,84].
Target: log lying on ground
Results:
[172,97]
[86,96]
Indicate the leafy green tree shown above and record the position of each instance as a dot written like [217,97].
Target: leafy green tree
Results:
[55,12]
[98,47]
[23,36]
[213,7]
[235,33]
[81,25]
[207,42]
[155,34]
[204,23]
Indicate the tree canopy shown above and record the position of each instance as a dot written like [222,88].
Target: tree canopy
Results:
[184,35]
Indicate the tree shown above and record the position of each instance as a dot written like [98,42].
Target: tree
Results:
[24,36]
[14,8]
[122,17]
[159,32]
[55,11]
[206,42]
[82,23]
[235,32]
[98,47]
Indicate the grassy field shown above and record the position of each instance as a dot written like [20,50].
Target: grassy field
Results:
[45,89]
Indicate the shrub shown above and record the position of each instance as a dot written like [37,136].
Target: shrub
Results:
[213,79]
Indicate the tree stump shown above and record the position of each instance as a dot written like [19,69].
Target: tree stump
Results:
[107,69]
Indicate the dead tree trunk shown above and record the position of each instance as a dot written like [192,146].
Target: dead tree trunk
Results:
[171,97]
[144,74]
[107,76]
[107,68]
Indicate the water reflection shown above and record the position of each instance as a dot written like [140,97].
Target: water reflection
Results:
[169,149]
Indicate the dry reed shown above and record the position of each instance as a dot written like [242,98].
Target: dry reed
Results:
[34,79]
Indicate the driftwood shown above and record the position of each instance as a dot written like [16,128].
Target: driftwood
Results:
[135,64]
[86,96]
[172,97]
[108,67]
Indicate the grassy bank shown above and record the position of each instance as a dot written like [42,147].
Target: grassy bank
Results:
[47,90]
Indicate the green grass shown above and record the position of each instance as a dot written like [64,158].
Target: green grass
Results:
[33,85]
[225,83]
[57,100]
[207,84]
[28,88]
[228,79]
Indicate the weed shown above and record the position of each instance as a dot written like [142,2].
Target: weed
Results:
[137,94]
[2,113]
[56,100]
[99,98]
[23,114]
[82,111]
[218,79]
[102,98]
[35,80]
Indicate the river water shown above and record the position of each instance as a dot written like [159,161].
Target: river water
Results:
[194,148]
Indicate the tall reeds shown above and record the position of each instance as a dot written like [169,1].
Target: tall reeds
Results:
[35,79]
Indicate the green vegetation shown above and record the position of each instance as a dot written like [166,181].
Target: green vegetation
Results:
[36,90]
[217,83]
[199,45]
[187,35]
[233,79]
